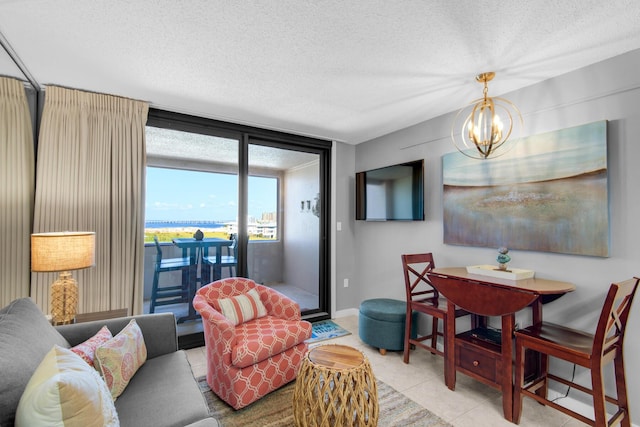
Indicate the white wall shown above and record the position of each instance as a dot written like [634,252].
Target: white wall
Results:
[605,91]
[344,241]
[301,230]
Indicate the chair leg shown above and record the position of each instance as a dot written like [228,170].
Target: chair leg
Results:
[544,370]
[407,333]
[621,389]
[599,403]
[434,333]
[154,291]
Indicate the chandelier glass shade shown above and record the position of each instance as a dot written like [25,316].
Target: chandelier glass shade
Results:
[482,128]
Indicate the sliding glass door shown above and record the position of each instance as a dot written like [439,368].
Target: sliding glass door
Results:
[265,191]
[285,253]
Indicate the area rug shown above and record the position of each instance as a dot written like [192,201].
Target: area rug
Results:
[326,329]
[276,409]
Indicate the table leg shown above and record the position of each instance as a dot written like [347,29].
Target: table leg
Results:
[449,347]
[192,286]
[536,309]
[508,325]
[539,363]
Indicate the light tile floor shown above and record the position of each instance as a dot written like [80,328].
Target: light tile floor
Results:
[472,404]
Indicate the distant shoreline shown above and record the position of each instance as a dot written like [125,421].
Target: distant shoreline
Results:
[156,223]
[181,228]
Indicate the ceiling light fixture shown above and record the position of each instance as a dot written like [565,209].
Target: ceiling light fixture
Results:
[483,134]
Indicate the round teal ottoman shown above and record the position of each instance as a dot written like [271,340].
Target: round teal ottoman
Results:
[381,323]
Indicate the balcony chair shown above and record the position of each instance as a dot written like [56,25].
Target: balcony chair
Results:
[254,339]
[423,298]
[593,352]
[172,294]
[229,261]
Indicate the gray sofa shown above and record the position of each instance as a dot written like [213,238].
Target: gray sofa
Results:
[162,393]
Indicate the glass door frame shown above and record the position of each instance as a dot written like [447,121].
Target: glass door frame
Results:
[247,135]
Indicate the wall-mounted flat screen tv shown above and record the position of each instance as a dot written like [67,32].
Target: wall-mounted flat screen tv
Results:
[391,193]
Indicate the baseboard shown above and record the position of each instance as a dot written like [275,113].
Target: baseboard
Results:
[345,313]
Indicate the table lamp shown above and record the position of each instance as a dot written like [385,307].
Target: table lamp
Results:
[63,252]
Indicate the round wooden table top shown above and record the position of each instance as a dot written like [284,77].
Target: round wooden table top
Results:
[336,356]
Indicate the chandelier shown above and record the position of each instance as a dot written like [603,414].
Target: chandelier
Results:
[483,133]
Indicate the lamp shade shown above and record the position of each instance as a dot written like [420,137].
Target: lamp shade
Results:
[62,251]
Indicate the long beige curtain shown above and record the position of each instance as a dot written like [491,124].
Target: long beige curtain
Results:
[16,190]
[90,177]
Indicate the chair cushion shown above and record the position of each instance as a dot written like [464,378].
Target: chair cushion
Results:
[65,391]
[120,358]
[262,338]
[242,308]
[26,336]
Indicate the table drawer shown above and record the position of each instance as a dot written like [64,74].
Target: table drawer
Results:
[478,361]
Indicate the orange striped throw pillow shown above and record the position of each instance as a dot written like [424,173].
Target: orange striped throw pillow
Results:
[242,308]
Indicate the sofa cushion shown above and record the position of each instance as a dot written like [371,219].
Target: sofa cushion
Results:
[162,393]
[26,336]
[242,308]
[65,391]
[120,358]
[87,349]
[262,338]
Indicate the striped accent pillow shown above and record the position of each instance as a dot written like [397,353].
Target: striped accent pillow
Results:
[242,308]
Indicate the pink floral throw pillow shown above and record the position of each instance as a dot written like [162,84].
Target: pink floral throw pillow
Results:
[120,358]
[87,349]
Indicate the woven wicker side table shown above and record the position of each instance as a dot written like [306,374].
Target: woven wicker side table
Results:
[335,387]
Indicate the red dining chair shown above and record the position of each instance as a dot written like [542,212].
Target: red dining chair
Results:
[424,298]
[591,351]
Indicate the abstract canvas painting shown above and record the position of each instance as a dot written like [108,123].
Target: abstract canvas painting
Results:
[548,194]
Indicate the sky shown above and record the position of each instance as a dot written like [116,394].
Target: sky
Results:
[181,195]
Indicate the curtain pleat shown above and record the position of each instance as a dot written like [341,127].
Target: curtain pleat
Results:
[90,177]
[16,190]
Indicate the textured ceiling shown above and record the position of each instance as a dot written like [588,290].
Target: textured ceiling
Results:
[177,145]
[337,69]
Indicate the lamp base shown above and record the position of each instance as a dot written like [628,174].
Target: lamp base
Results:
[64,299]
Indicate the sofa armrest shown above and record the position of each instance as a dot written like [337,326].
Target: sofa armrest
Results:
[159,331]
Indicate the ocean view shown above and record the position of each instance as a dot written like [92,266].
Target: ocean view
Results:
[161,224]
[167,230]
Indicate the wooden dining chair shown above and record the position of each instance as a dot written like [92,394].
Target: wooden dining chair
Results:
[591,351]
[423,297]
[169,294]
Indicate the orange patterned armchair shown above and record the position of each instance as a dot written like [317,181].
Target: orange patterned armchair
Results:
[256,346]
